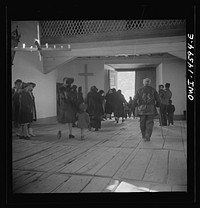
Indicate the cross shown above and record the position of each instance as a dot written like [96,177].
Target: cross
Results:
[86,74]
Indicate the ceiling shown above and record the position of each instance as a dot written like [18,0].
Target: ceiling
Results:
[132,66]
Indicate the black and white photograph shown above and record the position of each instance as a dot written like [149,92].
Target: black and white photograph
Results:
[101,106]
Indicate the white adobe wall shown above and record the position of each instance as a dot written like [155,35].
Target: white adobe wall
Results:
[28,67]
[73,68]
[174,72]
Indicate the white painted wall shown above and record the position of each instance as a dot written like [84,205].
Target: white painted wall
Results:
[73,68]
[28,68]
[159,79]
[174,72]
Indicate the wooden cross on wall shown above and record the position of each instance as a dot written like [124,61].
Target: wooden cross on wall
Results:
[86,74]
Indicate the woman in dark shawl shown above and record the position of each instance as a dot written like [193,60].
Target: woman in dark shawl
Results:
[119,106]
[108,106]
[93,100]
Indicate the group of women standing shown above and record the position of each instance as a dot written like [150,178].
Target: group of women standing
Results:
[23,108]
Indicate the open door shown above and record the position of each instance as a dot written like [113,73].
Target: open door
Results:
[113,79]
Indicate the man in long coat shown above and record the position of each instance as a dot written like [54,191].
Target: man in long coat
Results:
[167,94]
[146,100]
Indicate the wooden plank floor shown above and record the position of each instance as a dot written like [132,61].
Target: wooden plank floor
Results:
[115,159]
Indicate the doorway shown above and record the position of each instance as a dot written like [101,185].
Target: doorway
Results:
[126,83]
[129,81]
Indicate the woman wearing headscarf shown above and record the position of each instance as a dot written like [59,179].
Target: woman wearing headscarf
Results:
[25,110]
[119,110]
[108,106]
[93,100]
[30,129]
[67,110]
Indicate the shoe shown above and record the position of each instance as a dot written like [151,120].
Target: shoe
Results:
[96,129]
[21,137]
[123,120]
[30,132]
[147,139]
[71,136]
[27,137]
[59,135]
[82,137]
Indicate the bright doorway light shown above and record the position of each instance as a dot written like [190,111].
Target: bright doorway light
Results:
[126,83]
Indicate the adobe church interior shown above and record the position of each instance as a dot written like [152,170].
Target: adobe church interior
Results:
[98,53]
[105,151]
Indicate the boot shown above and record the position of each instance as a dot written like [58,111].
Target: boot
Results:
[27,136]
[59,135]
[30,132]
[71,136]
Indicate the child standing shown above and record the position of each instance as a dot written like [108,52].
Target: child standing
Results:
[83,119]
[170,113]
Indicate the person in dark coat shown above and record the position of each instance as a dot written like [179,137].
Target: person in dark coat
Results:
[80,96]
[15,103]
[170,113]
[93,101]
[164,104]
[25,110]
[30,129]
[108,105]
[131,109]
[146,100]
[119,106]
[102,96]
[75,100]
[161,92]
[67,110]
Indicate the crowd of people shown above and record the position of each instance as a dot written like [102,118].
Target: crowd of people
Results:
[97,106]
[89,112]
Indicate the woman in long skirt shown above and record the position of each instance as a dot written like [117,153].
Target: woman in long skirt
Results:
[67,110]
[93,100]
[25,111]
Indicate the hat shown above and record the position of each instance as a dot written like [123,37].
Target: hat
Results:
[24,85]
[83,106]
[69,80]
[167,85]
[18,80]
[74,86]
[94,88]
[31,83]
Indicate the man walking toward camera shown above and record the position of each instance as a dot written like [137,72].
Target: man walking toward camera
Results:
[146,100]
